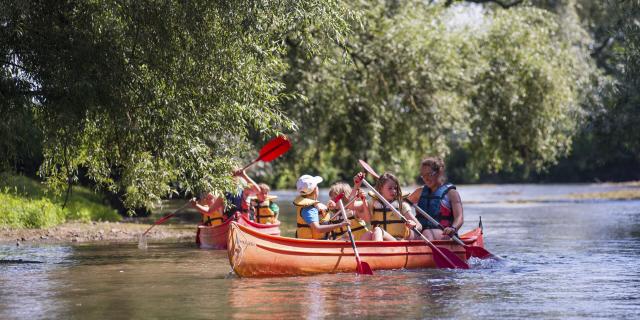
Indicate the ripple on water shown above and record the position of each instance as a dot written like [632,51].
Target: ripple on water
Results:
[562,261]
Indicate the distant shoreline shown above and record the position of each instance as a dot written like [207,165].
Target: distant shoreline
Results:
[98,232]
[129,231]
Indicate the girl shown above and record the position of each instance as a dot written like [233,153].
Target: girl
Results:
[358,226]
[386,224]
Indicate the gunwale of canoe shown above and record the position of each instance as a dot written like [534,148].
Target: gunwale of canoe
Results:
[215,237]
[252,254]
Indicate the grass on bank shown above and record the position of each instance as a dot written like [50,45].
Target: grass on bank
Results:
[25,203]
[624,194]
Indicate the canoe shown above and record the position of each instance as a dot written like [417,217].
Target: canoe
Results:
[215,237]
[254,254]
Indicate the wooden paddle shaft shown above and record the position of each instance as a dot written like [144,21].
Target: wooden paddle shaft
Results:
[429,243]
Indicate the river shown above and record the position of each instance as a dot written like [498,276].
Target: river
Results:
[564,259]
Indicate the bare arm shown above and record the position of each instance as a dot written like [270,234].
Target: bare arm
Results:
[202,209]
[406,212]
[318,228]
[414,197]
[218,205]
[253,187]
[363,212]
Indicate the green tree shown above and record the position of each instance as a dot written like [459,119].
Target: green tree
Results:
[504,86]
[145,93]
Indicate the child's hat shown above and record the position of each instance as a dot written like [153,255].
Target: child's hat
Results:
[306,184]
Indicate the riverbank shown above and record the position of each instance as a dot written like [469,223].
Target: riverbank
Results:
[80,232]
[183,227]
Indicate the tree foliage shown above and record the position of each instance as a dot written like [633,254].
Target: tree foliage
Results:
[146,93]
[149,97]
[419,79]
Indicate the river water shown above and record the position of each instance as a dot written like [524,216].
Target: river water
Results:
[564,259]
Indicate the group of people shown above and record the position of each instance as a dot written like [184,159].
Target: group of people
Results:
[368,219]
[439,199]
[251,198]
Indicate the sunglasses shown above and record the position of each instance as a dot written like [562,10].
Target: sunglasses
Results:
[432,174]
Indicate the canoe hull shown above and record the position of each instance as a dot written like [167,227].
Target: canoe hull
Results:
[215,237]
[252,254]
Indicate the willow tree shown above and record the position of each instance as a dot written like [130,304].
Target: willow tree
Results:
[420,79]
[144,94]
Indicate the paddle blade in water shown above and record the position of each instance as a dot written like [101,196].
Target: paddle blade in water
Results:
[275,148]
[448,259]
[368,169]
[142,242]
[478,252]
[364,268]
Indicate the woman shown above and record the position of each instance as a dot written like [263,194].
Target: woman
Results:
[439,199]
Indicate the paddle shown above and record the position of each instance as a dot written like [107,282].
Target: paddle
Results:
[471,251]
[142,241]
[346,205]
[273,149]
[362,267]
[443,257]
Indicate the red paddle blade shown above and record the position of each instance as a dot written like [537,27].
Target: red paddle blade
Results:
[368,169]
[364,268]
[274,148]
[447,259]
[477,252]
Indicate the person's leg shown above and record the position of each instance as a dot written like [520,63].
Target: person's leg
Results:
[367,236]
[386,236]
[378,234]
[428,233]
[437,235]
[413,235]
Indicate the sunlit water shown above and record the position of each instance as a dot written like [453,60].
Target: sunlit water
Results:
[564,260]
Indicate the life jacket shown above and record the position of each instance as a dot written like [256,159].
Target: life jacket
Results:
[358,227]
[432,204]
[212,219]
[263,213]
[386,219]
[303,230]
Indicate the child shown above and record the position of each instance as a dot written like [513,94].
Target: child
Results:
[358,226]
[266,211]
[210,207]
[386,224]
[308,210]
[237,202]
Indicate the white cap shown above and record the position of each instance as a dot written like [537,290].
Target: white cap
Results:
[306,184]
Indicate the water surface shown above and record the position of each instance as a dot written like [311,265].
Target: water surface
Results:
[564,260]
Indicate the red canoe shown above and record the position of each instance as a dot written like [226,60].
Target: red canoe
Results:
[215,237]
[255,254]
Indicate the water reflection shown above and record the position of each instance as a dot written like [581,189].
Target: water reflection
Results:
[564,260]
